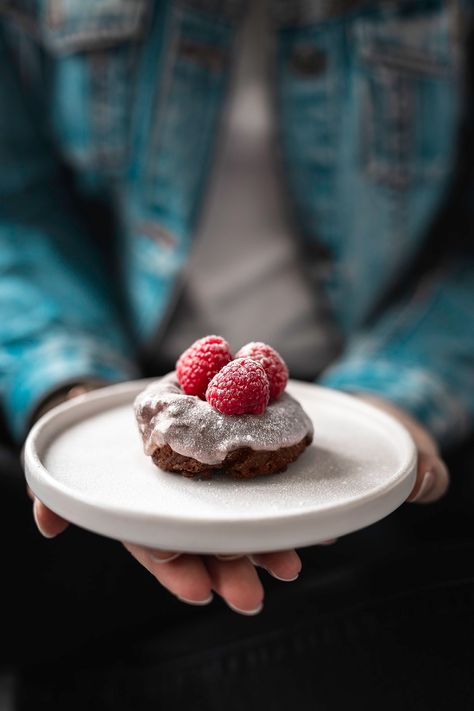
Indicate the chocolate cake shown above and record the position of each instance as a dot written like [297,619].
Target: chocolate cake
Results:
[184,434]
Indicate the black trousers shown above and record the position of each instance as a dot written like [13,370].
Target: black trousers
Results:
[384,619]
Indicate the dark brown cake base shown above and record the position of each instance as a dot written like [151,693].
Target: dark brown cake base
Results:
[244,463]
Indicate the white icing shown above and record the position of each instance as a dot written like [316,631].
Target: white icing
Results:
[193,428]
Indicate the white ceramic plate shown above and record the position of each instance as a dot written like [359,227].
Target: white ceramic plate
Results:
[84,460]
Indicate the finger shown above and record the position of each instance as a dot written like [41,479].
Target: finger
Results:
[185,576]
[432,480]
[283,565]
[48,523]
[237,582]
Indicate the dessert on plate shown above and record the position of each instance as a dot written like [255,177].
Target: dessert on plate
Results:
[223,412]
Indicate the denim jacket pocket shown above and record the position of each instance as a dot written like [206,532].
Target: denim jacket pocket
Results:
[407,81]
[78,58]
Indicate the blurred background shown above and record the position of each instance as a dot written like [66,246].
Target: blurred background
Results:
[293,172]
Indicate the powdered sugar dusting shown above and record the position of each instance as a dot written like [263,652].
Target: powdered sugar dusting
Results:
[191,427]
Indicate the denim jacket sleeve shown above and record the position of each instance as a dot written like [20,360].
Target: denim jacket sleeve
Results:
[58,322]
[420,354]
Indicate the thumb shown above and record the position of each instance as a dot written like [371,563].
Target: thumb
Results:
[432,479]
[48,523]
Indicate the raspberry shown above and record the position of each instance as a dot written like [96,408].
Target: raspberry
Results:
[200,362]
[241,387]
[274,365]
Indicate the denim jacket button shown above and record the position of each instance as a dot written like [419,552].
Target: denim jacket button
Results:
[308,61]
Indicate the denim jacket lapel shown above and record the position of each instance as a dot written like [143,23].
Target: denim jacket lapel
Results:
[183,79]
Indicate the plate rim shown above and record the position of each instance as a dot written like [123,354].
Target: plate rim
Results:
[36,470]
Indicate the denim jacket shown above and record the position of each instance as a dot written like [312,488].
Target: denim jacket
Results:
[370,99]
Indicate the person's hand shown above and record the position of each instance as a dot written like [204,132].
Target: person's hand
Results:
[432,476]
[191,578]
[194,578]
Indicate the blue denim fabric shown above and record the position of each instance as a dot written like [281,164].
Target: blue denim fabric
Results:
[129,96]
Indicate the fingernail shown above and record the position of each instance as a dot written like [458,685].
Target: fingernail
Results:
[158,560]
[249,613]
[235,556]
[41,530]
[196,602]
[253,560]
[426,485]
[284,580]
